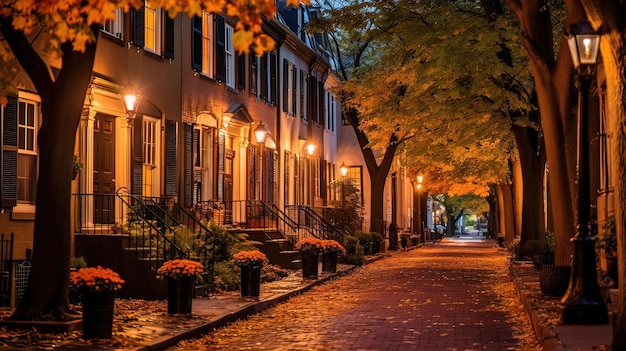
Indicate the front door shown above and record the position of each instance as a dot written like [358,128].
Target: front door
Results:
[104,169]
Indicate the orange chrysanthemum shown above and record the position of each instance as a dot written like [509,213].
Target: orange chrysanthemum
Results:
[95,279]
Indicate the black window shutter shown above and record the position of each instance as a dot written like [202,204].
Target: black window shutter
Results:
[8,189]
[241,72]
[322,102]
[188,164]
[285,85]
[302,90]
[137,160]
[138,27]
[169,37]
[196,44]
[263,77]
[170,158]
[220,49]
[312,100]
[294,92]
[273,77]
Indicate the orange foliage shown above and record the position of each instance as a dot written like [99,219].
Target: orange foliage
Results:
[180,267]
[250,258]
[95,279]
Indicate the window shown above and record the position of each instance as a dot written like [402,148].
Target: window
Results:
[115,26]
[150,156]
[27,125]
[229,53]
[202,44]
[152,27]
[203,162]
[290,94]
[355,174]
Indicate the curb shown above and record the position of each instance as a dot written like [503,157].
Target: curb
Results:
[246,311]
[547,336]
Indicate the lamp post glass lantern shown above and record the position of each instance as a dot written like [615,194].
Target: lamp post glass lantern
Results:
[260,132]
[131,103]
[582,300]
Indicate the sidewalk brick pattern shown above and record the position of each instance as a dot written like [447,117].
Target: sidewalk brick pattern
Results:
[436,298]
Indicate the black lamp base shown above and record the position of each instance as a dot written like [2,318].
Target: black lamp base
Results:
[586,314]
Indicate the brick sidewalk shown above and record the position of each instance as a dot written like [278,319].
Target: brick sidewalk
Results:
[454,296]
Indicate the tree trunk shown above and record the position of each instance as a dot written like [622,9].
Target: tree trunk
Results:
[61,107]
[553,82]
[378,172]
[532,159]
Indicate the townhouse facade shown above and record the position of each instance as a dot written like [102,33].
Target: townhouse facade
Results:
[211,127]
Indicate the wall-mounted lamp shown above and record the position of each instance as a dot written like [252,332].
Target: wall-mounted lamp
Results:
[260,132]
[226,117]
[310,149]
[343,170]
[131,103]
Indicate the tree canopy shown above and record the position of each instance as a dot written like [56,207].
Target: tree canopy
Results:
[423,78]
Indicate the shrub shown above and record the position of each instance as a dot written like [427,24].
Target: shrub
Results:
[227,276]
[354,252]
[376,237]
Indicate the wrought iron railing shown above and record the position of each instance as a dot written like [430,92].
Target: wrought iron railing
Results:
[307,217]
[254,215]
[6,269]
[149,234]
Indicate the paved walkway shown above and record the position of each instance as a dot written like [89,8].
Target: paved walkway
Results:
[456,295]
[453,295]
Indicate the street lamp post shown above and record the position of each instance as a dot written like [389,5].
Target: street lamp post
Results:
[131,103]
[418,208]
[582,300]
[344,172]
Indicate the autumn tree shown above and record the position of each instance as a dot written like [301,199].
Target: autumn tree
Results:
[459,206]
[63,35]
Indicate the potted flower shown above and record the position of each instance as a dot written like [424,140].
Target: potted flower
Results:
[250,262]
[97,286]
[180,275]
[331,249]
[309,249]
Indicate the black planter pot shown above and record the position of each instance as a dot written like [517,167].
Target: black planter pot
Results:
[375,246]
[310,264]
[541,258]
[180,294]
[250,281]
[98,313]
[329,262]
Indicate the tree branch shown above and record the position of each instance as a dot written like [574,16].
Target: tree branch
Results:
[27,56]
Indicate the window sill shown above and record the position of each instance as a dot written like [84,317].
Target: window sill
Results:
[23,212]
